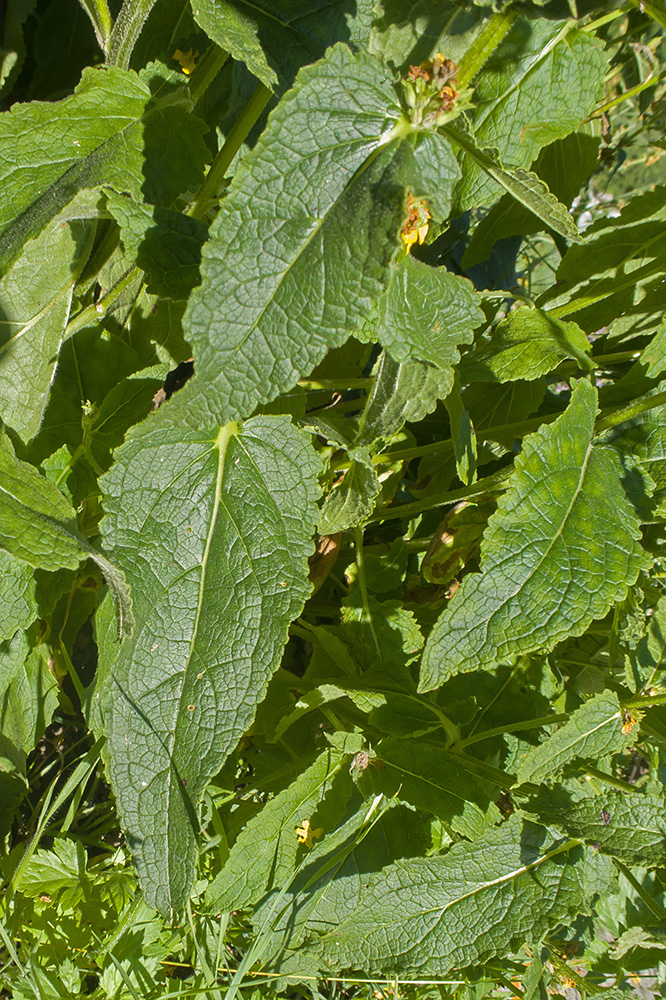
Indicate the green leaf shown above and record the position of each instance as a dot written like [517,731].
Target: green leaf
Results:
[18,607]
[564,166]
[38,526]
[98,135]
[165,244]
[351,502]
[401,392]
[616,276]
[28,698]
[594,730]
[267,852]
[629,827]
[523,185]
[35,301]
[468,906]
[438,782]
[222,522]
[426,313]
[525,345]
[462,435]
[514,109]
[275,39]
[560,549]
[298,256]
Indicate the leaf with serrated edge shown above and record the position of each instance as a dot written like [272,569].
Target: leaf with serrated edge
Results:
[351,502]
[561,548]
[594,730]
[629,827]
[18,606]
[401,392]
[426,313]
[38,526]
[213,529]
[298,257]
[49,151]
[469,905]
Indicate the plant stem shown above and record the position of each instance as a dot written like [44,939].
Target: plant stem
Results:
[358,536]
[209,190]
[629,412]
[129,23]
[516,727]
[609,779]
[206,70]
[94,314]
[646,701]
[652,904]
[102,22]
[497,481]
[333,384]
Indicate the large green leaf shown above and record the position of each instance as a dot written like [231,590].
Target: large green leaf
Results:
[426,313]
[213,529]
[517,104]
[560,549]
[594,730]
[298,256]
[38,526]
[108,131]
[469,905]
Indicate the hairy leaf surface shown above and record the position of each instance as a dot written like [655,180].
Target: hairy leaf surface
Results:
[562,546]
[213,530]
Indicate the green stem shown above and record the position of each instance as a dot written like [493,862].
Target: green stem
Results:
[607,18]
[129,24]
[335,384]
[209,190]
[609,779]
[629,412]
[652,904]
[518,429]
[645,701]
[358,537]
[516,727]
[497,481]
[93,314]
[605,359]
[102,22]
[206,70]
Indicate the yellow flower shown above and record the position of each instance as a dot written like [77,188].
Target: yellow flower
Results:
[187,60]
[306,834]
[415,226]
